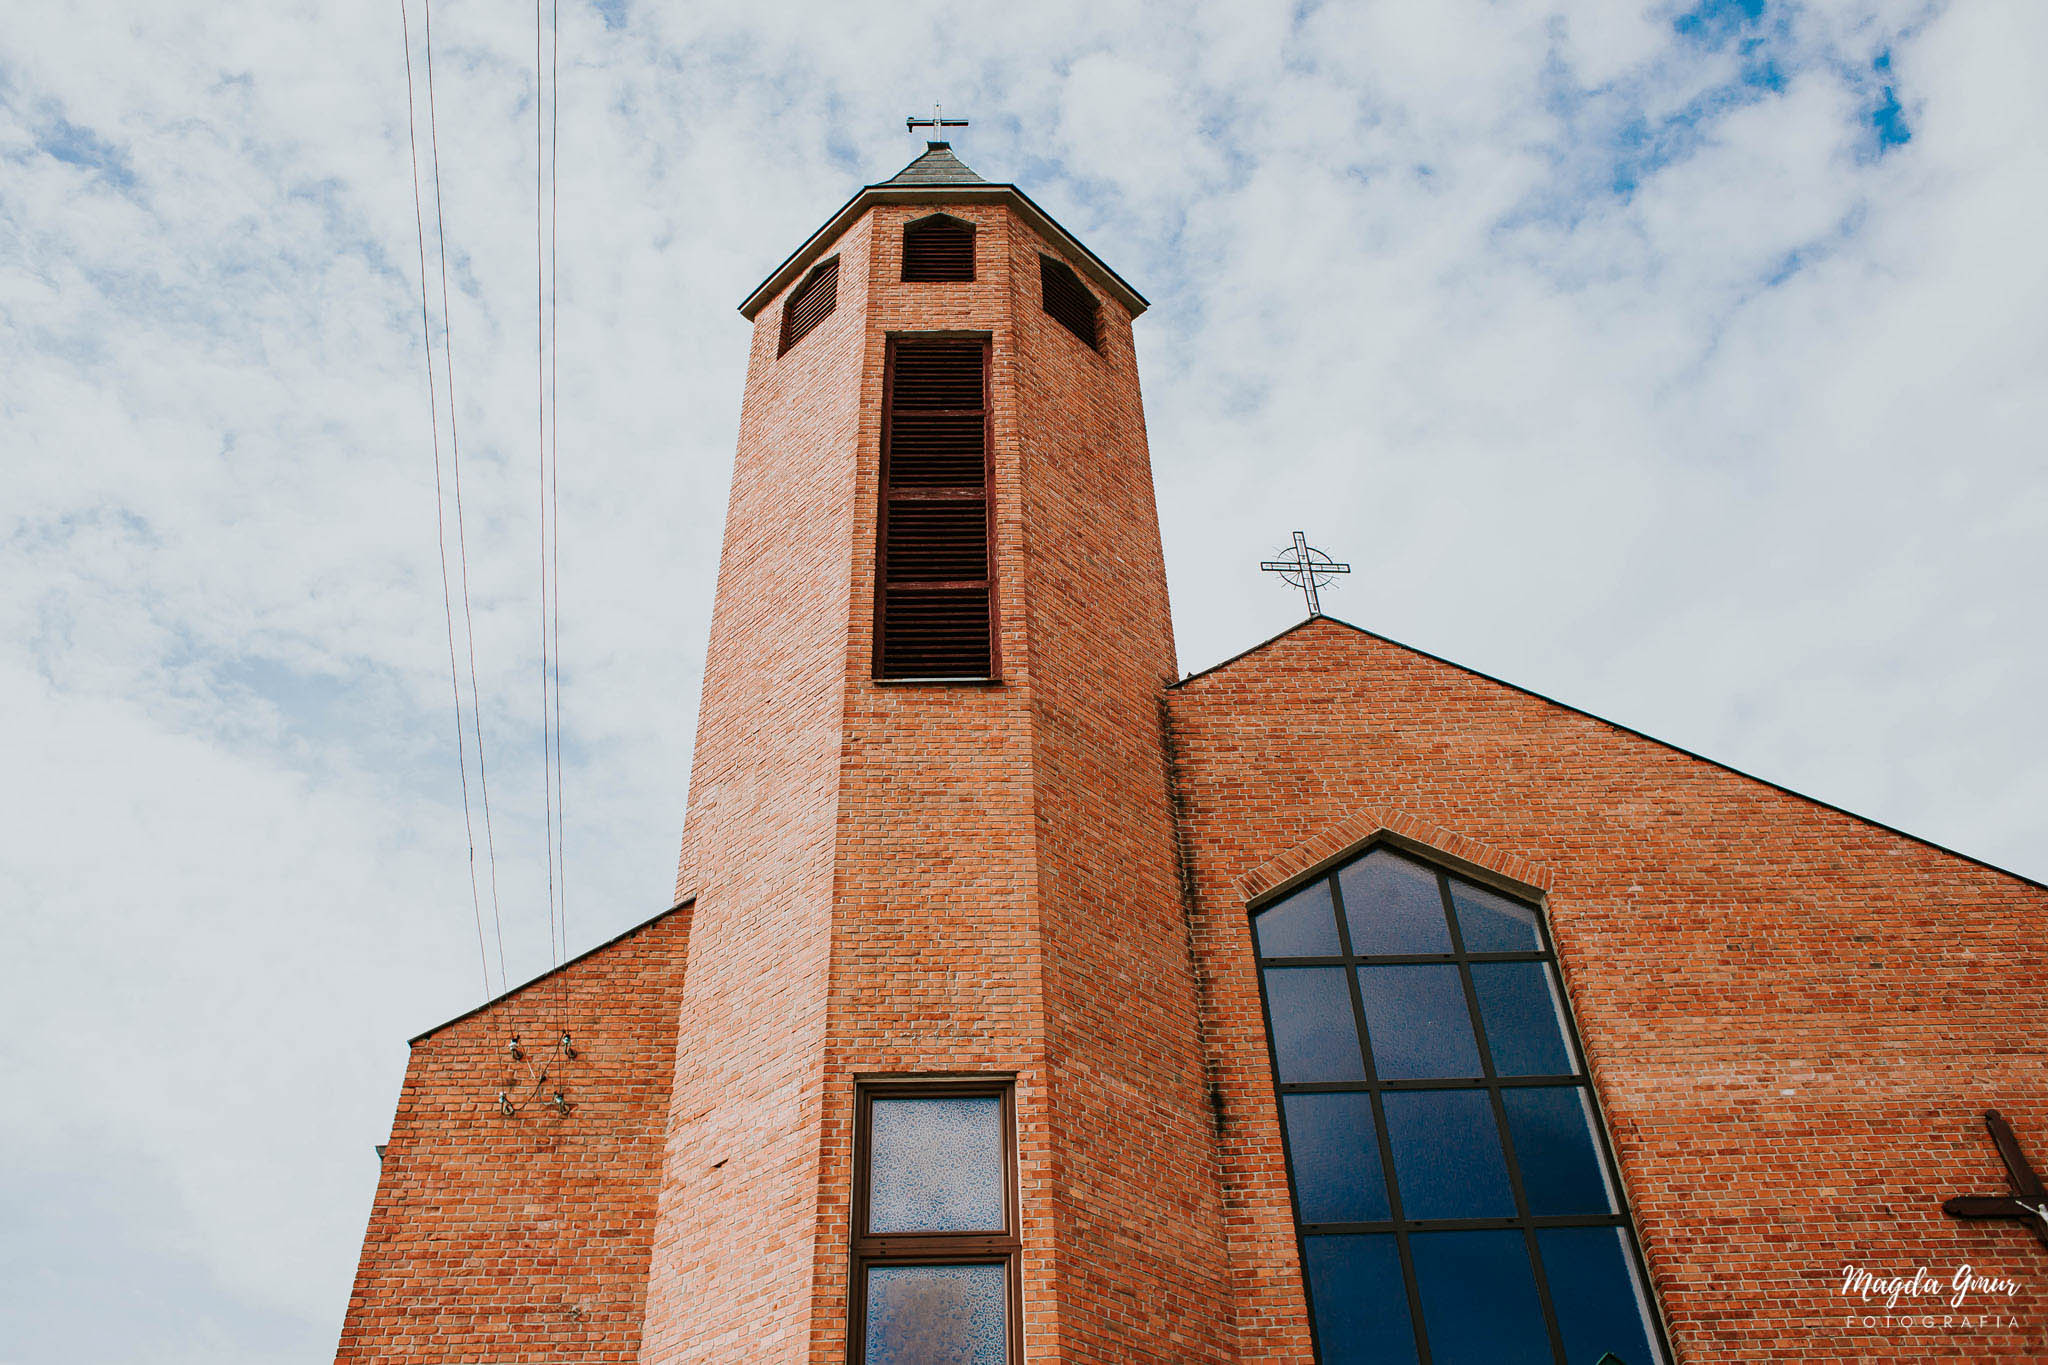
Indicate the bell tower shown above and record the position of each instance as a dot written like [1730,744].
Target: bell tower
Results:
[938,952]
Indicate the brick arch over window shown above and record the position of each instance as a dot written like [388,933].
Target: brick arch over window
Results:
[1338,842]
[938,247]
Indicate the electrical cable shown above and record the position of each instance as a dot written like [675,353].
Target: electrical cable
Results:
[440,521]
[455,452]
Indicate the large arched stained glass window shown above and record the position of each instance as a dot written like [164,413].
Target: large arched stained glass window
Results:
[1453,1190]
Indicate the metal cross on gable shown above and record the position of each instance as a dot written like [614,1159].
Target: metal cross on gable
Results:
[2028,1202]
[1306,568]
[937,124]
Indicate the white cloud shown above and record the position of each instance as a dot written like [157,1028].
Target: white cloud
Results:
[1619,366]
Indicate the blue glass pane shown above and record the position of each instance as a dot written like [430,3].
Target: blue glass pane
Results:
[1552,1129]
[1524,1020]
[1479,1301]
[1303,925]
[1491,923]
[1336,1158]
[1447,1154]
[1314,1035]
[1419,1023]
[1392,906]
[1361,1305]
[926,1314]
[1600,1303]
[936,1165]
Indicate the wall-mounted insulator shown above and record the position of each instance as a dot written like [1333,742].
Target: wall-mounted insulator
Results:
[568,1048]
[518,1053]
[505,1105]
[560,1104]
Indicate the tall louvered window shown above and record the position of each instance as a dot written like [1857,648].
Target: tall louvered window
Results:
[810,303]
[938,248]
[934,604]
[1067,299]
[1453,1191]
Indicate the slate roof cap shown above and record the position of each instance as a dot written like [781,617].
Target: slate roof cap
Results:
[938,166]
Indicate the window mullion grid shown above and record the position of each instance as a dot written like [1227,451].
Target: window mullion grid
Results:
[1379,1125]
[1494,1084]
[1500,1119]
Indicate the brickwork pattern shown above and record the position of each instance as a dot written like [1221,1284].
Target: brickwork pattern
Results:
[734,1246]
[967,812]
[498,1238]
[1794,1018]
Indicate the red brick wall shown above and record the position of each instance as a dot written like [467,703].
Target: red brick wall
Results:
[733,1252]
[935,952]
[1794,1018]
[496,1238]
[1005,887]
[1136,1198]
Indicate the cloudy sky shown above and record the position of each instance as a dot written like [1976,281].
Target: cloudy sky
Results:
[1683,364]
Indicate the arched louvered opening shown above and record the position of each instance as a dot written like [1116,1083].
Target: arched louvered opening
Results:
[935,584]
[1068,300]
[940,247]
[810,303]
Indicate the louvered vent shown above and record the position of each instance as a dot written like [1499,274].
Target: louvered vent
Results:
[934,611]
[810,303]
[1066,298]
[938,248]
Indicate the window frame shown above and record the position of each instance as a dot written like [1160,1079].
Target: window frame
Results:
[885,495]
[1489,1083]
[868,1250]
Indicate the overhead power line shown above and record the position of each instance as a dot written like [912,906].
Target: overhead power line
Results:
[440,524]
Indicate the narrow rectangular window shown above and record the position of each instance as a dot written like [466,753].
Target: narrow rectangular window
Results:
[935,579]
[935,1238]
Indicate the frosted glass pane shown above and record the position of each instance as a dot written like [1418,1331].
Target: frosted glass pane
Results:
[1392,906]
[1448,1161]
[937,1315]
[1314,1035]
[1524,1019]
[1601,1306]
[1336,1154]
[1420,1025]
[1479,1301]
[1303,925]
[1491,923]
[1552,1129]
[936,1165]
[1361,1304]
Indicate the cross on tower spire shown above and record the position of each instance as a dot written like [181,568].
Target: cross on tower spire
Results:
[937,124]
[1306,568]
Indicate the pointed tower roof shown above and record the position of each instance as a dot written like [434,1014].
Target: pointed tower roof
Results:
[938,166]
[939,177]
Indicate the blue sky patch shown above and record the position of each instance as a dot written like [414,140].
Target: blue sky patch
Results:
[1888,119]
[79,146]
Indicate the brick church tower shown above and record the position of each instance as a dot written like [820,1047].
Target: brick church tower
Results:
[1020,1002]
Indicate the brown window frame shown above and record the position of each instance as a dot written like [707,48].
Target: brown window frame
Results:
[886,494]
[934,1248]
